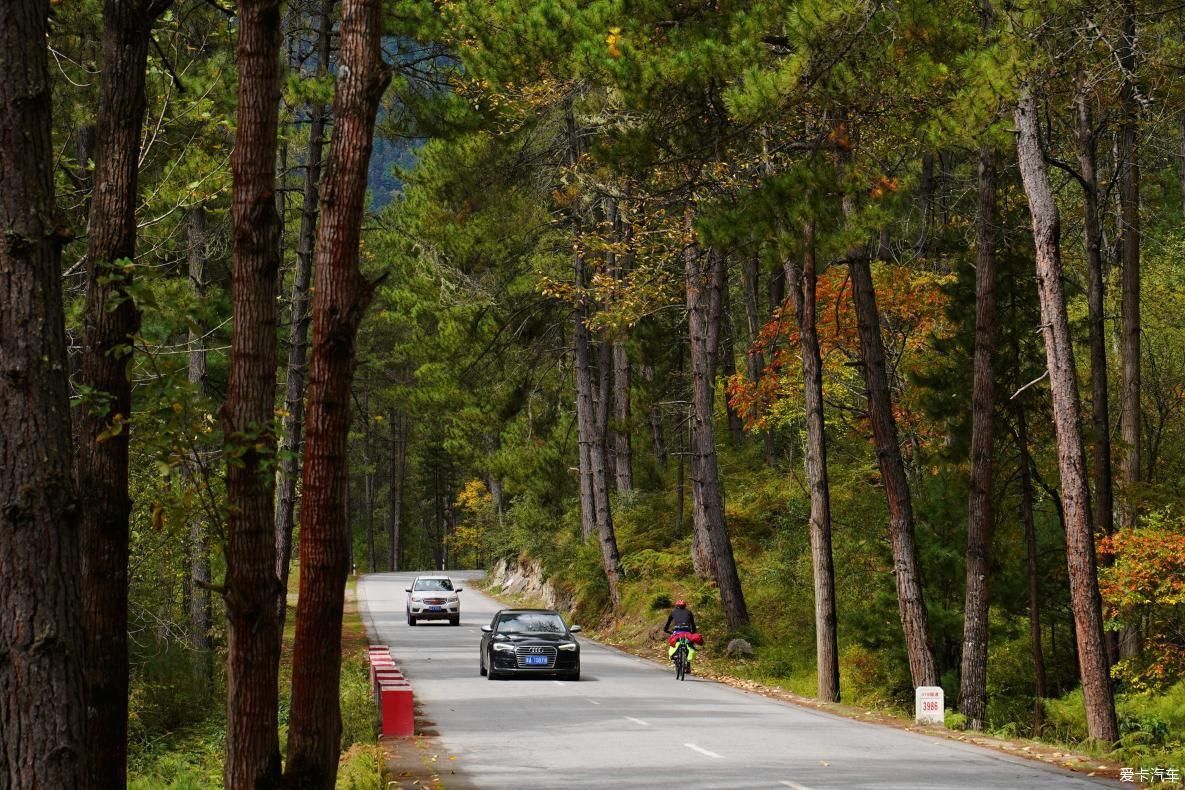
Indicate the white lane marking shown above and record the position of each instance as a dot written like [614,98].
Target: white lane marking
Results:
[793,785]
[637,721]
[703,751]
[593,701]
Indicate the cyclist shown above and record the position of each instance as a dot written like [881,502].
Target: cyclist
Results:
[681,620]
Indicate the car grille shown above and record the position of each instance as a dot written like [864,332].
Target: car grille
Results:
[434,601]
[521,653]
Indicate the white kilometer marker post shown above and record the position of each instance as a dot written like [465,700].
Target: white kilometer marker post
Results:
[636,721]
[703,751]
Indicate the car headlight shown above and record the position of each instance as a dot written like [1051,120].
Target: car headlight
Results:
[453,599]
[503,647]
[569,646]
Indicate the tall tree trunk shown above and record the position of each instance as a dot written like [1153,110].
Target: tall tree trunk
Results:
[980,518]
[1034,570]
[704,272]
[594,489]
[1099,406]
[1129,348]
[755,358]
[803,286]
[1059,354]
[340,298]
[622,444]
[728,361]
[368,484]
[658,444]
[199,541]
[292,426]
[1181,157]
[911,604]
[621,439]
[110,323]
[395,488]
[252,587]
[42,708]
[1104,510]
[604,407]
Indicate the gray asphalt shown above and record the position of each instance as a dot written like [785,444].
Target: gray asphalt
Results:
[629,723]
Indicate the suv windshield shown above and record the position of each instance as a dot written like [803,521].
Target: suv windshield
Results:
[434,585]
[531,623]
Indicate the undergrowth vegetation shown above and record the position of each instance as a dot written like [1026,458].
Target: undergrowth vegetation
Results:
[179,725]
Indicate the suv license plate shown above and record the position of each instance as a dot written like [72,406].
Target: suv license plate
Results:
[435,608]
[536,660]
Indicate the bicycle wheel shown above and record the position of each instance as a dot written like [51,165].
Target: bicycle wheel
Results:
[680,665]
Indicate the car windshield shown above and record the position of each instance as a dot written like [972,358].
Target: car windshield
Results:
[433,585]
[531,623]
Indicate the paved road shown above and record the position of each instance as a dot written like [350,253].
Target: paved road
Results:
[628,723]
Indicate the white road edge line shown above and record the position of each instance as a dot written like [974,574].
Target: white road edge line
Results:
[703,751]
[793,785]
[593,701]
[637,721]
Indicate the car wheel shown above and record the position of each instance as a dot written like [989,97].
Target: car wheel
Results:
[411,620]
[490,671]
[455,620]
[481,667]
[572,675]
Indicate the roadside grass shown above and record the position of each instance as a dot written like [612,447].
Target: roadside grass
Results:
[1152,725]
[190,756]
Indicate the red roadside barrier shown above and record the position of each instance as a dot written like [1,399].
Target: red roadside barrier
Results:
[392,694]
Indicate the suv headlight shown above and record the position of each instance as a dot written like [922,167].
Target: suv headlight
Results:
[503,647]
[568,646]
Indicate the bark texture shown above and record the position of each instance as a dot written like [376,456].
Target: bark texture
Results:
[399,430]
[42,710]
[910,603]
[1129,345]
[980,516]
[111,321]
[1075,495]
[1033,567]
[292,427]
[596,514]
[199,542]
[1099,406]
[704,273]
[802,290]
[251,588]
[340,298]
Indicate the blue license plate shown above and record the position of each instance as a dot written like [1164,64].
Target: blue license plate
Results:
[533,660]
[435,608]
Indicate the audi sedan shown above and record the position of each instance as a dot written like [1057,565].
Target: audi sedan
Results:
[525,642]
[433,598]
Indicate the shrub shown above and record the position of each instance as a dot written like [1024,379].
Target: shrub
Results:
[359,723]
[361,768]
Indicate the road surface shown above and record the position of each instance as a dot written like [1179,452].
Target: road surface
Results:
[628,723]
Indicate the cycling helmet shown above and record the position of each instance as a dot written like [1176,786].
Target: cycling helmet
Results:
[680,604]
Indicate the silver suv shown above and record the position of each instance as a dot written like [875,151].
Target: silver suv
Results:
[433,598]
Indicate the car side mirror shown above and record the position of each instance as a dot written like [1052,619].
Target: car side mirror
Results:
[487,628]
[407,589]
[575,629]
[459,589]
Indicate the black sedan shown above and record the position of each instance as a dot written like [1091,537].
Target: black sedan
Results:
[524,642]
